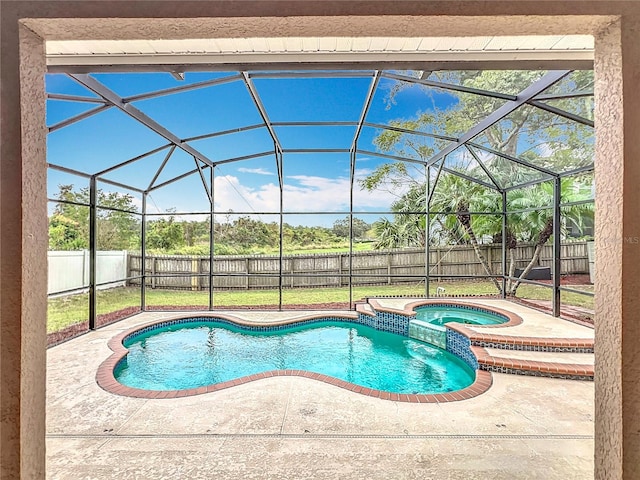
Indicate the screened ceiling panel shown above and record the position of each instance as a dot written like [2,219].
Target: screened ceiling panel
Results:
[369,195]
[108,191]
[234,145]
[59,83]
[57,179]
[316,182]
[318,137]
[406,124]
[509,82]
[462,160]
[507,173]
[313,100]
[89,147]
[576,81]
[429,109]
[404,102]
[186,195]
[139,173]
[450,193]
[541,138]
[581,106]
[247,186]
[202,111]
[64,111]
[179,164]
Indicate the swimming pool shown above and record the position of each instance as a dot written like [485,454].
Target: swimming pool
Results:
[200,353]
[441,315]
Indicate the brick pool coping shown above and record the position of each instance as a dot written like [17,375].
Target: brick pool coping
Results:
[107,381]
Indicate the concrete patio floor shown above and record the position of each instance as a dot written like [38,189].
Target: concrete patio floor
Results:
[291,427]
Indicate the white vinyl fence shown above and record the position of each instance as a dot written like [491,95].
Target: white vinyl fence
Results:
[69,270]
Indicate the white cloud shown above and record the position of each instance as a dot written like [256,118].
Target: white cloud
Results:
[302,193]
[258,171]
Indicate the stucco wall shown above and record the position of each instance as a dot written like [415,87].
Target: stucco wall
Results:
[22,172]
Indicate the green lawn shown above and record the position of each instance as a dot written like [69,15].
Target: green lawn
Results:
[71,309]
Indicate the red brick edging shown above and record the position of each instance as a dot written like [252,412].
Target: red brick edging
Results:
[107,381]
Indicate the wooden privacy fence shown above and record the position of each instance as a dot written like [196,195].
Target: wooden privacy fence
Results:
[329,270]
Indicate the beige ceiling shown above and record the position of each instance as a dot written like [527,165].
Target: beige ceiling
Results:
[319,49]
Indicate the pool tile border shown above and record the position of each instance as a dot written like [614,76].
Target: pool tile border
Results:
[409,310]
[106,380]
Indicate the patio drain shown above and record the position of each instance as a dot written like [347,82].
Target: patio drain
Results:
[321,436]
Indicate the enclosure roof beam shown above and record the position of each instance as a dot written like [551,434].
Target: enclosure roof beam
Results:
[435,183]
[449,86]
[204,182]
[577,171]
[74,98]
[561,113]
[391,157]
[224,132]
[313,74]
[261,110]
[314,124]
[408,130]
[265,118]
[182,88]
[523,97]
[77,118]
[117,101]
[60,168]
[528,184]
[244,157]
[365,109]
[175,179]
[118,184]
[219,162]
[316,150]
[561,96]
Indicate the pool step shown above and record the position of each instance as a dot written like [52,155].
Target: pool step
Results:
[491,339]
[568,365]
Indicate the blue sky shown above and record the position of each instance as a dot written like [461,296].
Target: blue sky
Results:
[313,182]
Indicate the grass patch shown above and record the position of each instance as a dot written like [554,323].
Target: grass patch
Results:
[72,309]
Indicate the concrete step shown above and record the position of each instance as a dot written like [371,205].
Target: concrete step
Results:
[569,365]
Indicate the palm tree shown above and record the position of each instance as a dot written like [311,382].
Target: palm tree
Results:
[454,198]
[536,223]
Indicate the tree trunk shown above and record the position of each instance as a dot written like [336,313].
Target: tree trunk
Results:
[525,272]
[512,269]
[544,236]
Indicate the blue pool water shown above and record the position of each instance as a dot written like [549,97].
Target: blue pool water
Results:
[440,315]
[195,354]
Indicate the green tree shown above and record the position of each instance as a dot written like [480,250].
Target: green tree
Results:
[118,228]
[530,133]
[66,234]
[359,228]
[165,234]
